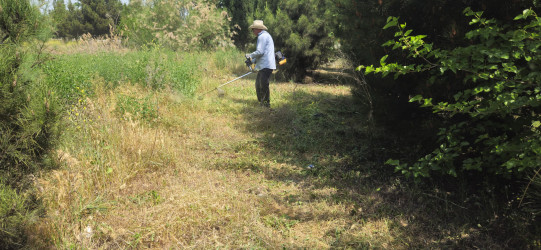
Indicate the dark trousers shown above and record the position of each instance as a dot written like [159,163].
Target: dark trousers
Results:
[262,87]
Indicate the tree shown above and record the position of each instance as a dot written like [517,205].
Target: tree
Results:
[59,14]
[73,24]
[492,121]
[302,32]
[441,21]
[178,25]
[28,112]
[99,15]
[239,10]
[87,16]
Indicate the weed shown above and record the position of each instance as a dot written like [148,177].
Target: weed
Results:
[156,69]
[229,60]
[14,216]
[225,173]
[140,108]
[282,223]
[151,196]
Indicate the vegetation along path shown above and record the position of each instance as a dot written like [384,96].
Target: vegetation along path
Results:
[105,145]
[149,169]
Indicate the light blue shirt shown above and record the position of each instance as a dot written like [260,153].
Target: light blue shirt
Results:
[264,54]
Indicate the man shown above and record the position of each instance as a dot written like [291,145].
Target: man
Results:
[263,57]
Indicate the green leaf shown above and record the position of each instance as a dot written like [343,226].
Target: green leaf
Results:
[457,96]
[392,162]
[369,70]
[416,98]
[389,43]
[382,60]
[526,13]
[391,21]
[427,103]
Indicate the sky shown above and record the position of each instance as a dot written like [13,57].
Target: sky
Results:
[49,3]
[73,1]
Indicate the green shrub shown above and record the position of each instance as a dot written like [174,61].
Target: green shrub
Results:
[303,33]
[28,110]
[229,60]
[177,25]
[71,74]
[141,108]
[13,218]
[493,119]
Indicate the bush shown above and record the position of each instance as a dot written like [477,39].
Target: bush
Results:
[177,25]
[441,21]
[229,60]
[303,33]
[28,110]
[492,120]
[14,216]
[71,74]
[140,108]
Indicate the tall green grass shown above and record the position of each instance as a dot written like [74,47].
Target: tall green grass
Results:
[72,74]
[229,61]
[14,214]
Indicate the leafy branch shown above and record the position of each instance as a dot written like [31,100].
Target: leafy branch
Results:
[499,95]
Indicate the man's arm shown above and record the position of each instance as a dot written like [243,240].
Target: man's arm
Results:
[260,50]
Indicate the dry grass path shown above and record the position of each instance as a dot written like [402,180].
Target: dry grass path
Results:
[222,172]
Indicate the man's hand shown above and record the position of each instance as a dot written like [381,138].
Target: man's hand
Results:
[248,62]
[248,56]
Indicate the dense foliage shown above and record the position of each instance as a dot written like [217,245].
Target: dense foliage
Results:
[303,33]
[13,214]
[239,12]
[178,25]
[441,21]
[478,78]
[95,17]
[72,75]
[493,118]
[28,112]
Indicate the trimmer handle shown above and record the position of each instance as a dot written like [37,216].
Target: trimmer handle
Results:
[249,63]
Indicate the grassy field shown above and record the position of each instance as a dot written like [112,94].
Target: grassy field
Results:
[144,167]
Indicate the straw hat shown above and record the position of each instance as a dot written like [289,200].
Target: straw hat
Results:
[258,24]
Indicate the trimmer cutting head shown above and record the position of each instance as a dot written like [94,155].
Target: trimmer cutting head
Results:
[221,92]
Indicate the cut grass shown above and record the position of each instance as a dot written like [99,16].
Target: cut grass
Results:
[200,176]
[226,173]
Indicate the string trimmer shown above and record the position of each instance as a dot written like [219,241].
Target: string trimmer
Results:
[248,64]
[280,60]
